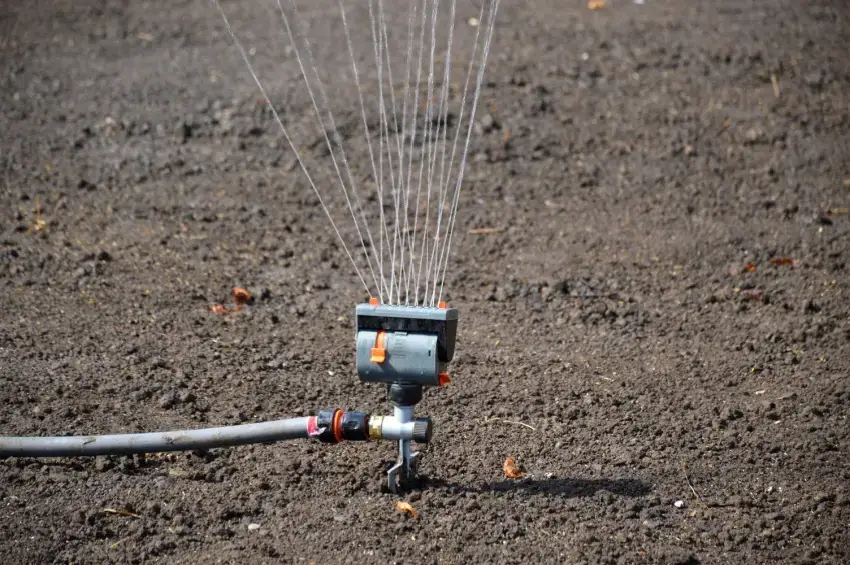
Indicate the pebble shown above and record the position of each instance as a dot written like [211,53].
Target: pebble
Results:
[168,400]
[103,464]
[754,135]
[679,504]
[814,79]
[252,527]
[809,306]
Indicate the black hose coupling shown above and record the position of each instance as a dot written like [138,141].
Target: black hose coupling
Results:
[355,426]
[335,426]
[325,426]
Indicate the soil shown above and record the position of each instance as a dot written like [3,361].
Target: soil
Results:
[672,394]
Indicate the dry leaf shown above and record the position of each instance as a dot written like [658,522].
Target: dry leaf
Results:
[240,296]
[839,211]
[121,512]
[779,261]
[750,268]
[512,471]
[219,309]
[596,4]
[405,507]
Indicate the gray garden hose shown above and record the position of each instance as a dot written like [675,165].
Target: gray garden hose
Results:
[183,440]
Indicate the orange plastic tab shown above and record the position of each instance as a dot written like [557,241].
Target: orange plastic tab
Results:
[442,305]
[379,352]
[373,301]
[444,379]
[337,425]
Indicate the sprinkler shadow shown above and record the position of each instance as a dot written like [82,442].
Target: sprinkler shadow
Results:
[567,488]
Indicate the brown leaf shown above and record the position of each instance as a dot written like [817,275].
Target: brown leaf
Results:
[405,507]
[779,261]
[241,296]
[219,309]
[750,268]
[512,471]
[596,4]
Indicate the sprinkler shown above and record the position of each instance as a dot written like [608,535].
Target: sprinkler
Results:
[407,348]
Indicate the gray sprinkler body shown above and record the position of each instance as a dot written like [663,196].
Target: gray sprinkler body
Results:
[404,344]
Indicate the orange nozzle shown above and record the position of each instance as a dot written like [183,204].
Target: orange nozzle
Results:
[442,305]
[444,379]
[373,301]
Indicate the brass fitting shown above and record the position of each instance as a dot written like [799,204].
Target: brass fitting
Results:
[376,424]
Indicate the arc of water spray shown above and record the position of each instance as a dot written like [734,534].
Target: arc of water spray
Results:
[283,130]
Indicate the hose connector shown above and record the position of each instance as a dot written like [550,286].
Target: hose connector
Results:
[335,426]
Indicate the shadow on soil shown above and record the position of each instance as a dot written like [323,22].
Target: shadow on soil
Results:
[568,488]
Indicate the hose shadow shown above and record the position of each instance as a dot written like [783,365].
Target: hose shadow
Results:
[566,487]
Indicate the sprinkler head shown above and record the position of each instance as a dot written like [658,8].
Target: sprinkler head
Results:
[407,348]
[405,344]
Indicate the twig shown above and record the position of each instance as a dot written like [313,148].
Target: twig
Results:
[693,490]
[117,543]
[491,420]
[485,231]
[121,512]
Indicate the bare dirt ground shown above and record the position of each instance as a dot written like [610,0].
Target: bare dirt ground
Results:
[643,164]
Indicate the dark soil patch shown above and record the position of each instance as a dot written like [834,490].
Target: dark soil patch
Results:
[650,161]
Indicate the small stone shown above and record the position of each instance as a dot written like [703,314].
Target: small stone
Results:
[102,464]
[754,135]
[814,79]
[809,306]
[488,123]
[679,504]
[158,363]
[253,527]
[168,401]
